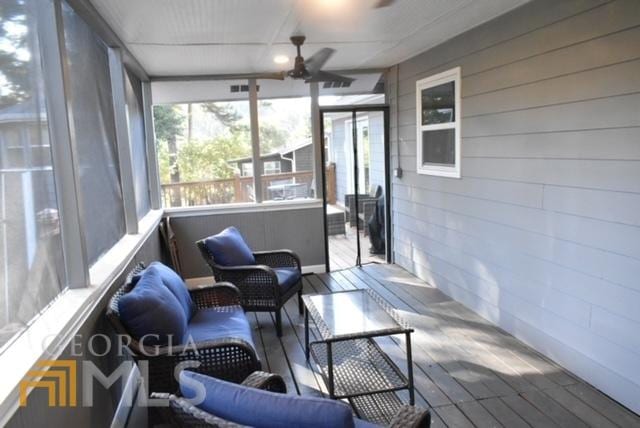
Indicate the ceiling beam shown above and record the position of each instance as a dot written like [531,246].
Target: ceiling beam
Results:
[266,75]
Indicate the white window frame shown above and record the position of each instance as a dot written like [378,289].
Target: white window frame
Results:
[275,167]
[452,75]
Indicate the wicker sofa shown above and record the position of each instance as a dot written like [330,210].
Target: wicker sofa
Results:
[231,358]
[242,407]
[266,281]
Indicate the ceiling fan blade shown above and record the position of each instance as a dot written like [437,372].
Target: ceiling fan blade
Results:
[325,76]
[383,3]
[316,61]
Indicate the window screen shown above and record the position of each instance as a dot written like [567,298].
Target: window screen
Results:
[93,133]
[31,263]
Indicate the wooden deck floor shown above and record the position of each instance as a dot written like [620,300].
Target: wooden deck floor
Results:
[343,250]
[468,372]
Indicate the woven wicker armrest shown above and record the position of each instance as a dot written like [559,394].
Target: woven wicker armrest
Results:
[182,413]
[195,349]
[411,417]
[278,258]
[231,359]
[266,381]
[219,294]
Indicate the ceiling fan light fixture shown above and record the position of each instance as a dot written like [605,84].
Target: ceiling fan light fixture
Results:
[281,59]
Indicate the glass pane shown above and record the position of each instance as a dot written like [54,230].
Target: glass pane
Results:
[350,224]
[352,312]
[286,150]
[438,104]
[339,190]
[31,263]
[204,153]
[372,182]
[438,147]
[93,130]
[133,92]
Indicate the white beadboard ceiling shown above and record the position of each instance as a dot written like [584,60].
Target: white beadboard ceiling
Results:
[195,37]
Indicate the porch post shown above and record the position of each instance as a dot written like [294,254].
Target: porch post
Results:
[255,139]
[116,71]
[150,143]
[65,163]
[315,139]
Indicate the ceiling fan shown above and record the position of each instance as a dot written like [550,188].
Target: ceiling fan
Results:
[311,69]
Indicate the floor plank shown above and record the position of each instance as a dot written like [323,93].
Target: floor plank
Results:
[467,371]
[576,406]
[503,413]
[478,415]
[606,406]
[453,417]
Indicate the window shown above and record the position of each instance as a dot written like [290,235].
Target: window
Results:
[438,124]
[286,149]
[204,153]
[31,263]
[94,139]
[272,167]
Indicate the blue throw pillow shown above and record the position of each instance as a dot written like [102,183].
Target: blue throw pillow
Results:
[176,285]
[229,249]
[151,313]
[264,409]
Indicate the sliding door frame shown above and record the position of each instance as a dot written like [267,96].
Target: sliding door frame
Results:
[354,110]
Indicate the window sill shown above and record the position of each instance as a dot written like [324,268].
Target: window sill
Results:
[243,208]
[52,331]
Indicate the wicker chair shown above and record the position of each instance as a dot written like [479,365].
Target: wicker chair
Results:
[230,359]
[258,284]
[182,413]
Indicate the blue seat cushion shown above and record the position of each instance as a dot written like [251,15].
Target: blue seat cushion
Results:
[176,285]
[151,313]
[360,423]
[229,248]
[219,323]
[287,277]
[264,409]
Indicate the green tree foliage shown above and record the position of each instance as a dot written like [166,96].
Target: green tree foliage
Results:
[14,53]
[168,121]
[225,113]
[208,160]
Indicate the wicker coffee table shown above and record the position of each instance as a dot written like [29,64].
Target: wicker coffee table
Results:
[351,363]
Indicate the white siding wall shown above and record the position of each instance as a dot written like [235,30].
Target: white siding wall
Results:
[542,233]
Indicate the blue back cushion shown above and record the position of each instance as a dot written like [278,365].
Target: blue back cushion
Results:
[229,249]
[264,409]
[176,285]
[151,313]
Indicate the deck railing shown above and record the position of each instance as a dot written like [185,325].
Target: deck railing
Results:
[235,190]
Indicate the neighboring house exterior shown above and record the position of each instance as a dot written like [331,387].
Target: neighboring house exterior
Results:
[289,159]
[541,234]
[25,164]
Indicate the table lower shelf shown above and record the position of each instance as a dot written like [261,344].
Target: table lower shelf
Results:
[377,408]
[360,368]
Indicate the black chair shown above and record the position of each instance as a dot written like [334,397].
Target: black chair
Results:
[263,286]
[183,413]
[231,359]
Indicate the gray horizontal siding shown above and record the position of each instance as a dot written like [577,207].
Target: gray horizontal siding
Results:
[300,230]
[542,233]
